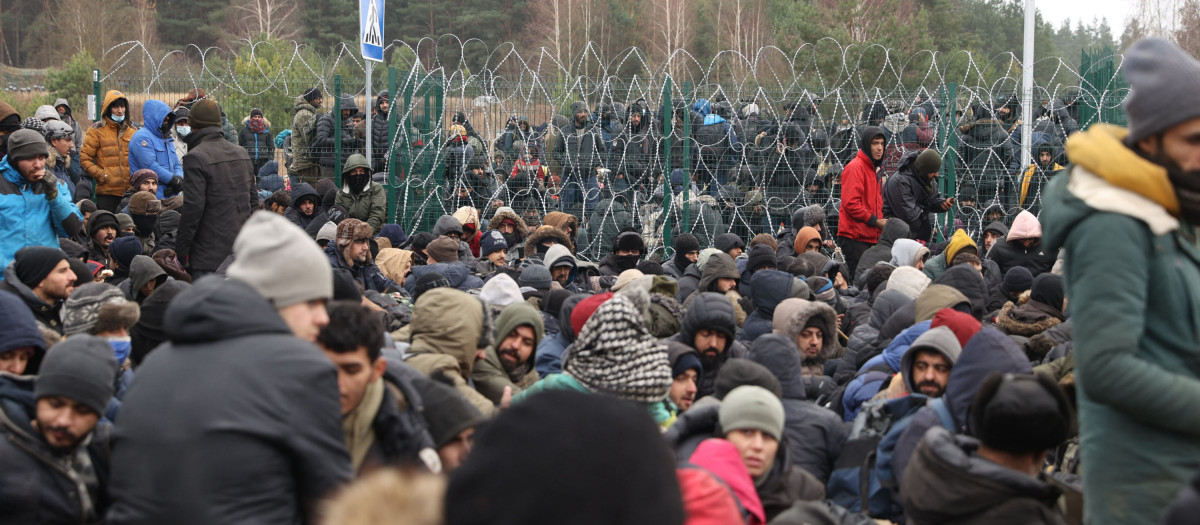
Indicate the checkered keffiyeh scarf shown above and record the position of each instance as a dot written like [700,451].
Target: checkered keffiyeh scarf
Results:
[616,354]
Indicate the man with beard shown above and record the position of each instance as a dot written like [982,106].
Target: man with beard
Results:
[352,251]
[926,364]
[709,327]
[362,198]
[686,369]
[1125,215]
[860,218]
[41,276]
[580,151]
[627,250]
[564,269]
[306,206]
[54,455]
[509,362]
[813,327]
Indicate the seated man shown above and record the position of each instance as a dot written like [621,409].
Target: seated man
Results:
[362,198]
[686,368]
[995,478]
[352,251]
[42,278]
[372,407]
[55,449]
[509,362]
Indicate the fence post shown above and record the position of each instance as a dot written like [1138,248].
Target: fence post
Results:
[668,118]
[949,142]
[96,93]
[409,165]
[388,156]
[686,225]
[337,131]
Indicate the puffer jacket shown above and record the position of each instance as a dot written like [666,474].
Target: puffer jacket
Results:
[50,488]
[369,206]
[911,198]
[27,218]
[149,149]
[445,335]
[302,158]
[105,152]
[815,435]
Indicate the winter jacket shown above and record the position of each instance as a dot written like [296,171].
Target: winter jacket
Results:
[490,377]
[259,432]
[580,151]
[911,198]
[987,352]
[142,270]
[948,483]
[713,311]
[379,134]
[862,202]
[259,146]
[303,191]
[69,118]
[458,273]
[28,219]
[66,169]
[218,180]
[869,381]
[1008,253]
[445,336]
[369,206]
[105,151]
[149,149]
[815,435]
[42,484]
[302,157]
[768,289]
[1133,278]
[690,282]
[729,490]
[881,252]
[323,141]
[367,275]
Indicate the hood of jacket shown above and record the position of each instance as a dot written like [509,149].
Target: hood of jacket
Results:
[768,288]
[142,270]
[467,215]
[709,310]
[446,224]
[153,114]
[885,305]
[1101,151]
[970,283]
[906,252]
[988,351]
[998,227]
[299,104]
[216,310]
[456,272]
[522,229]
[868,134]
[804,236]
[723,460]
[559,220]
[941,340]
[935,298]
[447,322]
[719,266]
[545,233]
[1025,226]
[558,255]
[959,241]
[892,232]
[822,314]
[303,191]
[780,356]
[110,98]
[909,281]
[951,483]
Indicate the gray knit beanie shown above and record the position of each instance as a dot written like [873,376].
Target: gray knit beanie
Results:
[81,368]
[752,408]
[1162,80]
[280,261]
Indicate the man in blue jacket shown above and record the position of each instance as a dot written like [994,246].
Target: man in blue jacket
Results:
[153,147]
[35,208]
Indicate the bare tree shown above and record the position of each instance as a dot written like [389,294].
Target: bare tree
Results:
[273,18]
[669,31]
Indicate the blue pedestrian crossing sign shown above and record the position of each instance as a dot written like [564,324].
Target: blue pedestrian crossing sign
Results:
[370,23]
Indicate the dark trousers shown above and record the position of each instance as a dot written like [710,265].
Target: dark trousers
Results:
[853,251]
[108,202]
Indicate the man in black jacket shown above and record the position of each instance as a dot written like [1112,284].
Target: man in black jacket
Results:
[235,419]
[218,183]
[54,457]
[910,195]
[580,151]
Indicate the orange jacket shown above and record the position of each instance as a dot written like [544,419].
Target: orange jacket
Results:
[104,155]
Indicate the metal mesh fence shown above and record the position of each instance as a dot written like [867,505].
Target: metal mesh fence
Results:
[705,151]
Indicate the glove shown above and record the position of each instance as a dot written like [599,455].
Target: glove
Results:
[175,186]
[50,186]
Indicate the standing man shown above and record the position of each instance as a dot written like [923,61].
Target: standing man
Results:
[860,219]
[219,184]
[1132,301]
[238,397]
[153,147]
[105,151]
[304,165]
[911,196]
[35,208]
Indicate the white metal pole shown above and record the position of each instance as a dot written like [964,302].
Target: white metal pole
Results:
[1027,85]
[370,106]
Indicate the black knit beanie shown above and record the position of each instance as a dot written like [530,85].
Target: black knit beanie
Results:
[737,372]
[148,333]
[1020,413]
[34,263]
[447,413]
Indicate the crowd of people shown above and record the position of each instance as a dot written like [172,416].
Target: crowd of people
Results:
[213,355]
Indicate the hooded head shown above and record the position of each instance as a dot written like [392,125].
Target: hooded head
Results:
[447,321]
[805,236]
[869,134]
[356,174]
[937,297]
[1025,226]
[927,363]
[987,352]
[958,242]
[909,281]
[821,317]
[893,231]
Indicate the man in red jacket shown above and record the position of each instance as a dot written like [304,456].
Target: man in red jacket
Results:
[860,219]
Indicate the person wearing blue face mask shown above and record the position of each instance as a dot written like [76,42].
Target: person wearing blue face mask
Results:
[102,310]
[104,154]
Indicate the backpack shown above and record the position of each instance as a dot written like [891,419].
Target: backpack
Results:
[854,483]
[883,459]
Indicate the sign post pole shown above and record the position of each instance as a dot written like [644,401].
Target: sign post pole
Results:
[370,23]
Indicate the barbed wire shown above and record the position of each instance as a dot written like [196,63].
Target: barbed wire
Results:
[796,114]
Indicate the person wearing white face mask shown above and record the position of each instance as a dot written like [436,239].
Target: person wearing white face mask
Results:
[105,152]
[182,128]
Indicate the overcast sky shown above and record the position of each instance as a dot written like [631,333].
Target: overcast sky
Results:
[1115,11]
